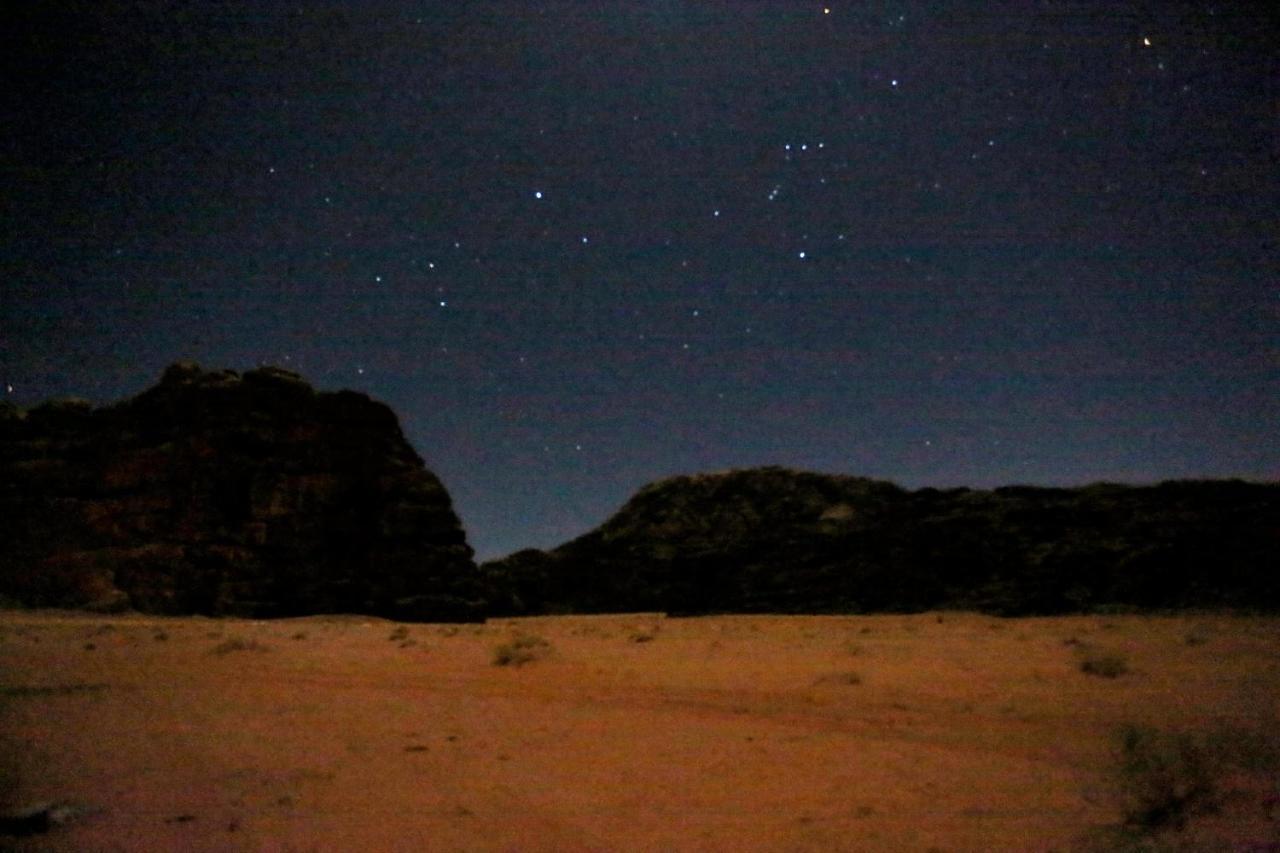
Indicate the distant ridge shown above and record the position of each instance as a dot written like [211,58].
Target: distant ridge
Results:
[776,540]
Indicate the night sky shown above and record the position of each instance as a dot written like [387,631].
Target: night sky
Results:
[579,246]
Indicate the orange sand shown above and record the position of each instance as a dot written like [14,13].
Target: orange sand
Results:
[936,731]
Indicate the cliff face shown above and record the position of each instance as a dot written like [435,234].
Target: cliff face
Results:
[774,540]
[221,493]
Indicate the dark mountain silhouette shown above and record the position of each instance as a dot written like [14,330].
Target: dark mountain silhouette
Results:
[221,493]
[253,494]
[775,540]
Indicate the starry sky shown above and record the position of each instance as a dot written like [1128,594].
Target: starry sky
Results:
[580,245]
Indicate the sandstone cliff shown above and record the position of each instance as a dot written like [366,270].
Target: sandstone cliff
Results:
[222,493]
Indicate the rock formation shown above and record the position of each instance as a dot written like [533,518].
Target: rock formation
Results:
[774,540]
[221,493]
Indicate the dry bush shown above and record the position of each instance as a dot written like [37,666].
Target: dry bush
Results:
[1103,663]
[1196,637]
[1163,779]
[521,650]
[1158,781]
[237,644]
[846,679]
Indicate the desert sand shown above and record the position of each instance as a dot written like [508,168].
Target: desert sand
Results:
[937,731]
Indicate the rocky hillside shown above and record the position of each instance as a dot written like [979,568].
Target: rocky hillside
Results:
[774,540]
[222,493]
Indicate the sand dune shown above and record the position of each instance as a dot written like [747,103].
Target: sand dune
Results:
[935,731]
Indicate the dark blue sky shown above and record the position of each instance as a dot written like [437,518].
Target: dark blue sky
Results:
[578,246]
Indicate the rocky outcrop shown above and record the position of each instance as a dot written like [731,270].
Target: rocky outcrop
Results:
[775,540]
[221,493]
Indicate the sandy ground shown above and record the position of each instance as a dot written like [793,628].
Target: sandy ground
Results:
[940,732]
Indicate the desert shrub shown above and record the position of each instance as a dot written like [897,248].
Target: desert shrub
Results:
[1162,779]
[1158,781]
[520,650]
[846,679]
[236,644]
[1196,637]
[1102,663]
[400,633]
